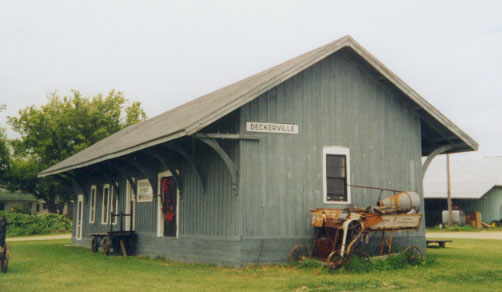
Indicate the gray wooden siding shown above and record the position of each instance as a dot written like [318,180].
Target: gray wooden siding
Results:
[339,101]
[209,220]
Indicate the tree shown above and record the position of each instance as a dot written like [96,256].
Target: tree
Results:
[4,151]
[62,127]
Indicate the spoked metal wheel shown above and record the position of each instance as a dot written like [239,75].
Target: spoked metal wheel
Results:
[354,236]
[4,265]
[414,255]
[298,252]
[106,245]
[4,261]
[335,261]
[94,244]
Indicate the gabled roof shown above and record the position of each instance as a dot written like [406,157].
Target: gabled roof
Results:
[471,177]
[193,116]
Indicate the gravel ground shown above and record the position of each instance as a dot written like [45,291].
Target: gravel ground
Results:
[40,237]
[467,235]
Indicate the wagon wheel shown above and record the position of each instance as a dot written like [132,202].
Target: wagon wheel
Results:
[94,244]
[4,265]
[106,245]
[4,261]
[335,261]
[297,253]
[362,255]
[414,255]
[354,235]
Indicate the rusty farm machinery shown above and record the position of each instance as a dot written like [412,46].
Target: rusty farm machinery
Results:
[340,233]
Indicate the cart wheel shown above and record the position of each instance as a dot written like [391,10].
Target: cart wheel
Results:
[335,261]
[106,245]
[297,253]
[414,255]
[94,244]
[355,228]
[4,265]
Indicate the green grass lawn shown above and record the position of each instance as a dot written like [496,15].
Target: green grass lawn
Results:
[465,228]
[466,265]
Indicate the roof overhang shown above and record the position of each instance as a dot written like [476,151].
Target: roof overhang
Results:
[437,130]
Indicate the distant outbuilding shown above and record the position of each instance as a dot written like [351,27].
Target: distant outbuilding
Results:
[20,201]
[476,187]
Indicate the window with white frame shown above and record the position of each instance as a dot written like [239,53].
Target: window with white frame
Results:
[114,205]
[336,175]
[92,205]
[105,206]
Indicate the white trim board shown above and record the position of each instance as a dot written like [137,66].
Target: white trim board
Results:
[335,150]
[93,197]
[103,221]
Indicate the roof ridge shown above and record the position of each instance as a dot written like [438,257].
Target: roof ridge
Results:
[192,116]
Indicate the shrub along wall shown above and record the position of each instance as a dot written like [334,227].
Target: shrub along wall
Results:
[25,224]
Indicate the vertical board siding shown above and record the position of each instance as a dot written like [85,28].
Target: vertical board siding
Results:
[339,101]
[213,212]
[490,205]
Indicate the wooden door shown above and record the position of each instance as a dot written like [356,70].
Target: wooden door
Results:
[169,200]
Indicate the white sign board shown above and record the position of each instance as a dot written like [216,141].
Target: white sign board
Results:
[145,192]
[271,128]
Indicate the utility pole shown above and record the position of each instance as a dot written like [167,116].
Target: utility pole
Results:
[448,178]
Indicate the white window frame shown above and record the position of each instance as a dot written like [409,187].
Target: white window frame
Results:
[160,218]
[335,150]
[92,204]
[113,194]
[150,197]
[103,221]
[79,228]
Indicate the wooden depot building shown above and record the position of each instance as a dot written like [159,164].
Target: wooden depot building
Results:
[230,177]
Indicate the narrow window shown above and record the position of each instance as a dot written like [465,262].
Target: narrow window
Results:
[105,211]
[336,175]
[114,205]
[92,205]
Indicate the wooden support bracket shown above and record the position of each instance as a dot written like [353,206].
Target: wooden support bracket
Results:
[76,186]
[157,155]
[178,150]
[123,175]
[226,159]
[432,155]
[144,171]
[106,173]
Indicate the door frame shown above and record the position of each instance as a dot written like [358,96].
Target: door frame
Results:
[130,198]
[160,218]
[79,228]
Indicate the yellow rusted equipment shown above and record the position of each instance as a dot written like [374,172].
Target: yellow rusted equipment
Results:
[338,231]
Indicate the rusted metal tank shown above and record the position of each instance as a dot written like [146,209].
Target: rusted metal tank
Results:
[400,203]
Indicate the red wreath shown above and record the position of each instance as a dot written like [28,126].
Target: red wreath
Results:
[167,208]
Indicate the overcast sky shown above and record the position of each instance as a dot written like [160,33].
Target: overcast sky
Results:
[164,53]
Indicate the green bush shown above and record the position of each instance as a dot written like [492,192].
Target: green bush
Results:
[25,224]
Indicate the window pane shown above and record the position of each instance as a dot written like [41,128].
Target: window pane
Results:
[336,189]
[335,165]
[106,200]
